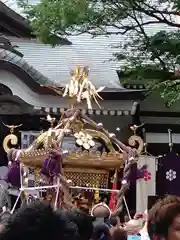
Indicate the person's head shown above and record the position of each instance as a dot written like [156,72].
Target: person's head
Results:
[164,219]
[101,232]
[118,233]
[101,210]
[83,221]
[133,227]
[38,221]
[113,221]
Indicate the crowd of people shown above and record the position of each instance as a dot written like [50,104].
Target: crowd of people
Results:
[39,221]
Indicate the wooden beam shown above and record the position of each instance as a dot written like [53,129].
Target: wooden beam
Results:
[162,128]
[160,114]
[157,149]
[13,31]
[11,14]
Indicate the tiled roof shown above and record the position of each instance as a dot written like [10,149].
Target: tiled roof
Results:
[55,63]
[31,71]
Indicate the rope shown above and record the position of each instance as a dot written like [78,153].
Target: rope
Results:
[95,189]
[125,183]
[72,187]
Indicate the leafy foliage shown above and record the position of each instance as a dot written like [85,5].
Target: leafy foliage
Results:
[153,58]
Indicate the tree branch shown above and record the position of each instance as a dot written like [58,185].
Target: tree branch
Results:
[124,29]
[152,13]
[167,12]
[147,41]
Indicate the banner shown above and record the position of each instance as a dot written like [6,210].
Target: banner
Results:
[168,177]
[147,185]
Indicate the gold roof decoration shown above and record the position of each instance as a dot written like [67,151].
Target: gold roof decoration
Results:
[82,159]
[80,88]
[11,138]
[74,124]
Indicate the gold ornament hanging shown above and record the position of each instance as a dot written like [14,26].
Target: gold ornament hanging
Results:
[96,194]
[11,138]
[135,139]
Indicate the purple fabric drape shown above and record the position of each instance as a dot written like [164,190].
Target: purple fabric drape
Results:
[168,175]
[51,167]
[13,176]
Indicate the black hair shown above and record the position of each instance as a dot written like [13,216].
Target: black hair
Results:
[101,232]
[161,216]
[83,221]
[113,221]
[38,221]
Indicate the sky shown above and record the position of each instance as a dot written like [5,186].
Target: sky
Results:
[13,4]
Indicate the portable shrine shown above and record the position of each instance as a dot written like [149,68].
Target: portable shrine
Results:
[50,173]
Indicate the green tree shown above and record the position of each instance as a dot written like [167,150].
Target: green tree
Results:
[152,58]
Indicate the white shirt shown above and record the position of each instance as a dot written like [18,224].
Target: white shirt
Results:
[144,235]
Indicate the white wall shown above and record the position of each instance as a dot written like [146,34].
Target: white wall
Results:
[25,93]
[162,138]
